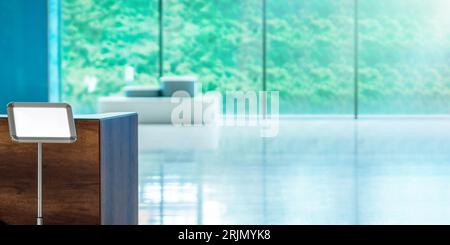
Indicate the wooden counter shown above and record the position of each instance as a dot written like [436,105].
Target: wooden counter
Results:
[93,181]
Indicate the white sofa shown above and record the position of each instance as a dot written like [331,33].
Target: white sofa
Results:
[158,110]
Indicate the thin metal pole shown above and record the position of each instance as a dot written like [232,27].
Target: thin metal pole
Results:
[264,58]
[40,219]
[264,45]
[356,62]
[161,38]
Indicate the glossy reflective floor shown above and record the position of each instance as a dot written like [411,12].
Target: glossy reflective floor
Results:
[321,171]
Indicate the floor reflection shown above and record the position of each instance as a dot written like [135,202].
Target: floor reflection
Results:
[315,172]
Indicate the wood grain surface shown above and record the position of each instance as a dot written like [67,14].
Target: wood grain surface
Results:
[71,174]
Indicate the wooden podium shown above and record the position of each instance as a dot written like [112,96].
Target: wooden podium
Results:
[93,181]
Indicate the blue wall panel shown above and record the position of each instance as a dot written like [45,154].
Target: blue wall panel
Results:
[23,51]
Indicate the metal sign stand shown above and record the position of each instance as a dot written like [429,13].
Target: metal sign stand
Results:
[17,112]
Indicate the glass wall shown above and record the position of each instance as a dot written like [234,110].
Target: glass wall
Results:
[404,56]
[310,55]
[218,41]
[104,45]
[310,50]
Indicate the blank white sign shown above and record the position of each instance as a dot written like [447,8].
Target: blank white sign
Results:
[41,122]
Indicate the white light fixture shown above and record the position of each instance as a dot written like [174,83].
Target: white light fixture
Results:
[41,123]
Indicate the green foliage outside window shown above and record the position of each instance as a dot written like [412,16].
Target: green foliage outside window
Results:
[403,55]
[219,41]
[311,55]
[99,40]
[404,58]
